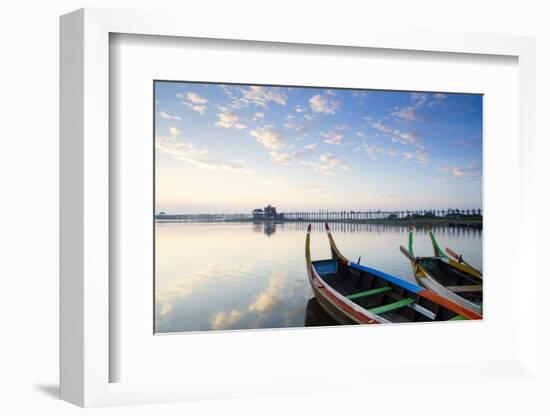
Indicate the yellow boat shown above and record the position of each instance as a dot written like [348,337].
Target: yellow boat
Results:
[449,277]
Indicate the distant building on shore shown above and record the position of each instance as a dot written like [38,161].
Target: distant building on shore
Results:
[267,213]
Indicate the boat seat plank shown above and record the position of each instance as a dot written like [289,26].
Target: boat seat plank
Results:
[395,318]
[415,306]
[391,306]
[465,288]
[369,292]
[422,310]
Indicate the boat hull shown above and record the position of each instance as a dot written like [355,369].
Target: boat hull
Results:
[429,282]
[331,309]
[340,310]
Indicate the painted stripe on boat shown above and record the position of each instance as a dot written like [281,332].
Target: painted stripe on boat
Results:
[449,304]
[396,280]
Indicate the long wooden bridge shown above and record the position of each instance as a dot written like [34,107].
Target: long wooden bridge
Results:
[474,215]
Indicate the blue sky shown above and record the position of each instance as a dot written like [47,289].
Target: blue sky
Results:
[231,148]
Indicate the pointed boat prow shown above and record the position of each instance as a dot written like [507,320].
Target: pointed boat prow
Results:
[308,253]
[437,250]
[462,264]
[336,255]
[451,253]
[407,254]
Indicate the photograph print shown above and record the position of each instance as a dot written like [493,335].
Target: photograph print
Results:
[289,206]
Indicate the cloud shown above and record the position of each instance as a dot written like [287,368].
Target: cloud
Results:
[468,143]
[408,113]
[333,137]
[282,157]
[167,116]
[194,101]
[299,128]
[379,126]
[195,98]
[228,90]
[404,137]
[328,164]
[359,93]
[261,96]
[422,157]
[285,157]
[397,135]
[418,102]
[254,95]
[269,137]
[469,173]
[437,99]
[324,104]
[373,151]
[419,99]
[229,121]
[174,131]
[412,112]
[258,116]
[190,153]
[199,108]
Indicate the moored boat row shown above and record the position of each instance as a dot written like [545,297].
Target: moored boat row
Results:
[354,293]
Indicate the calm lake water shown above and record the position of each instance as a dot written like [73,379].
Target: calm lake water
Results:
[222,276]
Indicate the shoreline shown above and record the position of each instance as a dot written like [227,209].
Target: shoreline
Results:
[446,222]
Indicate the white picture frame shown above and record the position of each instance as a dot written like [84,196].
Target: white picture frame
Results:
[85,219]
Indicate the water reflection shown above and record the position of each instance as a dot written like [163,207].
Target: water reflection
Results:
[220,276]
[266,227]
[269,227]
[316,315]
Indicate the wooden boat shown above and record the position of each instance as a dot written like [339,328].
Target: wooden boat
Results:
[355,294]
[446,277]
[455,260]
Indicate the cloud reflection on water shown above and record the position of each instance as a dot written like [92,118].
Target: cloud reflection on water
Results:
[262,303]
[178,287]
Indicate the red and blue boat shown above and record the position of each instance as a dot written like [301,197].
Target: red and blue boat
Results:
[352,293]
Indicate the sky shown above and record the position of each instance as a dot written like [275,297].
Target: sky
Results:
[225,148]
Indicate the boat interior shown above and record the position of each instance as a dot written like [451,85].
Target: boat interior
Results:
[385,298]
[464,285]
